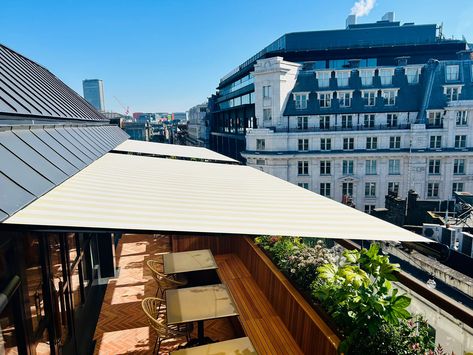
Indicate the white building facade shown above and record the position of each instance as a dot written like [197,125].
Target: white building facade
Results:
[354,134]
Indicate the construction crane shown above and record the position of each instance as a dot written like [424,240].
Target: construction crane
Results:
[127,109]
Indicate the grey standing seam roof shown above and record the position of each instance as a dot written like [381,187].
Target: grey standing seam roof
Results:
[27,88]
[34,160]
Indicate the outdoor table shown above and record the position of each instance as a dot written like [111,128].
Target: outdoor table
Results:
[196,304]
[234,346]
[186,261]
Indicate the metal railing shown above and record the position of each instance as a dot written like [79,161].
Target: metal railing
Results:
[340,128]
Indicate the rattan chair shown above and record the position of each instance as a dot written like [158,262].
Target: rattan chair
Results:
[164,282]
[157,321]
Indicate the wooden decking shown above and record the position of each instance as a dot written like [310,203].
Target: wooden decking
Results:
[260,322]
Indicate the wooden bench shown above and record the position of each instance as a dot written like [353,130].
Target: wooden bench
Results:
[259,320]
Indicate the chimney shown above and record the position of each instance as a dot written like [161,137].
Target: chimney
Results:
[351,20]
[388,16]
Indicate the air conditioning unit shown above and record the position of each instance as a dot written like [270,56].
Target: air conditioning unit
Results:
[432,231]
[467,244]
[457,239]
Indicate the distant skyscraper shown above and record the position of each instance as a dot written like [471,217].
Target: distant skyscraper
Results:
[93,93]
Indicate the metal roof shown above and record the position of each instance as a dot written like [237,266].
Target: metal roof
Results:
[170,150]
[35,159]
[127,193]
[27,88]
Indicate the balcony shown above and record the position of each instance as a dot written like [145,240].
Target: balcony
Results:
[342,129]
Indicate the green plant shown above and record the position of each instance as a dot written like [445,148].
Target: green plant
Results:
[358,294]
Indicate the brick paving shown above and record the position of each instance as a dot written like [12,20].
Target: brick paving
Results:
[122,327]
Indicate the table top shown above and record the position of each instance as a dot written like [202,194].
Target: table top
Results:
[194,260]
[192,304]
[234,346]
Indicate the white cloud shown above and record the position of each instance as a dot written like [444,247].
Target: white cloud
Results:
[362,7]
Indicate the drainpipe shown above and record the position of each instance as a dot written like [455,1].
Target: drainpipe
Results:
[431,68]
[8,291]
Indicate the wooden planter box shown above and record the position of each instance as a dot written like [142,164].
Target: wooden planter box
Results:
[309,330]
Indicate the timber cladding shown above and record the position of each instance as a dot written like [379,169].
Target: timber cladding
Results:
[308,329]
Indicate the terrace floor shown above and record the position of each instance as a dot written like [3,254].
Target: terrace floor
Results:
[122,327]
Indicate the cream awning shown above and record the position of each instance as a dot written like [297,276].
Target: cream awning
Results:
[129,192]
[171,150]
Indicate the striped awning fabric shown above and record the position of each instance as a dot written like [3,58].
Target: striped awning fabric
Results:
[171,150]
[129,192]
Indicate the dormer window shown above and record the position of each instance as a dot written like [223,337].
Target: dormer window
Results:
[452,72]
[323,78]
[389,97]
[369,97]
[412,74]
[325,99]
[366,76]
[386,75]
[301,100]
[344,98]
[452,92]
[342,77]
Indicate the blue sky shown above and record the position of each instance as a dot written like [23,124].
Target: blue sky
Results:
[163,55]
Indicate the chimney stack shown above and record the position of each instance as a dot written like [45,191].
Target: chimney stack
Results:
[351,20]
[388,16]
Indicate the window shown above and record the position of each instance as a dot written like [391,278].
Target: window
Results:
[435,142]
[371,143]
[370,189]
[347,167]
[267,114]
[304,185]
[389,97]
[266,91]
[391,120]
[452,72]
[370,167]
[303,167]
[369,208]
[394,167]
[434,166]
[347,188]
[369,97]
[412,75]
[395,142]
[459,166]
[368,121]
[342,77]
[347,121]
[366,77]
[386,76]
[260,144]
[457,187]
[323,78]
[260,162]
[325,99]
[462,118]
[393,187]
[460,141]
[301,101]
[325,189]
[324,122]
[452,92]
[433,189]
[348,143]
[344,98]
[303,145]
[302,123]
[325,143]
[325,167]
[435,118]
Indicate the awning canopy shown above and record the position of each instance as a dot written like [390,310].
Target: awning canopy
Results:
[128,192]
[171,150]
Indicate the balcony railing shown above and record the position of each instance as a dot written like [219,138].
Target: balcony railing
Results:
[340,128]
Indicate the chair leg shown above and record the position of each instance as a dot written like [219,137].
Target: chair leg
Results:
[155,343]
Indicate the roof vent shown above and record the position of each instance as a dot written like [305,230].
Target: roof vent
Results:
[351,20]
[401,61]
[388,16]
